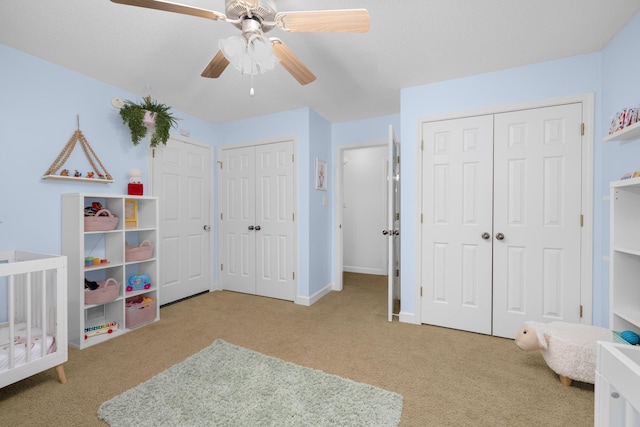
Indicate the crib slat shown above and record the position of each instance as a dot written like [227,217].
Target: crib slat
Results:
[27,309]
[12,323]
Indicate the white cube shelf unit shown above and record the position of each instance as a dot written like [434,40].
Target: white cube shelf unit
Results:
[624,280]
[77,244]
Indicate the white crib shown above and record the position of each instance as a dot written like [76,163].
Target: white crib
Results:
[33,315]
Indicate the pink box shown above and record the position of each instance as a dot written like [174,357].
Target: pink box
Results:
[139,314]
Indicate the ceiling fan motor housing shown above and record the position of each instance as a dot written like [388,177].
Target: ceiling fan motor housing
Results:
[264,13]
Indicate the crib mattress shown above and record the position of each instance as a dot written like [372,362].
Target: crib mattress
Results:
[20,348]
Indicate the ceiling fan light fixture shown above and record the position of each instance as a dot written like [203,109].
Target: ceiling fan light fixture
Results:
[249,56]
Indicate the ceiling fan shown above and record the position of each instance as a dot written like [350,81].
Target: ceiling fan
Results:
[256,17]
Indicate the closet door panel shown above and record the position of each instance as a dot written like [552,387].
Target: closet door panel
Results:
[238,242]
[457,194]
[274,216]
[537,208]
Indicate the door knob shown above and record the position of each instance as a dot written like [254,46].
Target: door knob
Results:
[396,232]
[207,227]
[500,236]
[385,232]
[251,228]
[486,236]
[257,228]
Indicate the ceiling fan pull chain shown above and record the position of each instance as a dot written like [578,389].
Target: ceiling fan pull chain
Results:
[251,92]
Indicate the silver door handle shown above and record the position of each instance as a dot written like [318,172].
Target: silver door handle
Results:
[257,228]
[486,236]
[385,232]
[500,236]
[207,227]
[396,232]
[251,228]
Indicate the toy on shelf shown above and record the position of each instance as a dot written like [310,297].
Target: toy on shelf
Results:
[568,348]
[135,187]
[138,281]
[107,328]
[630,337]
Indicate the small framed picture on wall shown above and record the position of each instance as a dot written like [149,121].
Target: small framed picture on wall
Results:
[321,174]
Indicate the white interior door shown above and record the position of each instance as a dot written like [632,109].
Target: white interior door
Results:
[274,231]
[237,222]
[537,217]
[182,174]
[257,233]
[393,223]
[457,209]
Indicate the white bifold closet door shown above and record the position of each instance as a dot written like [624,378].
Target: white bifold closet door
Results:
[257,234]
[501,228]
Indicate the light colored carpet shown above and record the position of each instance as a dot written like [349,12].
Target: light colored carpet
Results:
[227,385]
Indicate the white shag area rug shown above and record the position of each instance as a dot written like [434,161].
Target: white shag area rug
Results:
[227,385]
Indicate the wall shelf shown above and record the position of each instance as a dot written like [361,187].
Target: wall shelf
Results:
[78,178]
[630,132]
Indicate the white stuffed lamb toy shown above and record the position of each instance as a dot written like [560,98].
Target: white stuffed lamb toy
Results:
[568,348]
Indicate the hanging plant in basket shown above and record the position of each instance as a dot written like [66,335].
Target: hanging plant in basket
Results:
[158,117]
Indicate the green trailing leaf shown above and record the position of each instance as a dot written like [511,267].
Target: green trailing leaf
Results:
[132,114]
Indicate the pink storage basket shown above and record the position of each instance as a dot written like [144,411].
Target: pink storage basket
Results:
[139,314]
[141,252]
[103,220]
[106,291]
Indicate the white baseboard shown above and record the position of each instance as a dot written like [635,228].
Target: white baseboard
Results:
[364,270]
[409,318]
[315,297]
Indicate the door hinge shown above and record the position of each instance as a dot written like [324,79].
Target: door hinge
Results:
[293,217]
[582,129]
[398,159]
[420,290]
[422,144]
[293,275]
[221,216]
[221,267]
[293,158]
[581,220]
[397,216]
[421,218]
[397,273]
[153,153]
[219,164]
[581,311]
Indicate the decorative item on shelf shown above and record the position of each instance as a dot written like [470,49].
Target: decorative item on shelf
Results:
[135,183]
[622,119]
[159,117]
[107,328]
[138,282]
[141,252]
[102,172]
[105,291]
[130,213]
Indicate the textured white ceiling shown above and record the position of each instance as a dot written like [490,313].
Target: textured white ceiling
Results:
[411,42]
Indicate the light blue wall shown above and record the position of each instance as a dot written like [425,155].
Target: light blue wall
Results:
[620,69]
[320,259]
[40,101]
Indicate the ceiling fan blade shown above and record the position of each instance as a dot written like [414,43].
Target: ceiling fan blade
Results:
[291,62]
[216,66]
[344,20]
[174,7]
